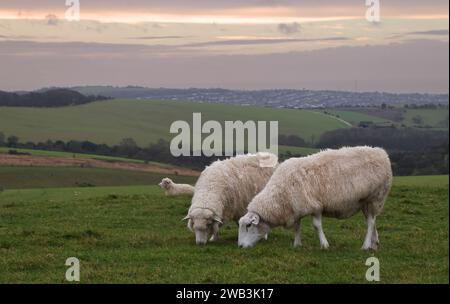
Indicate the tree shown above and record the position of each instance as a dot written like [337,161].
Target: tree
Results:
[2,139]
[12,141]
[74,146]
[128,147]
[291,140]
[418,120]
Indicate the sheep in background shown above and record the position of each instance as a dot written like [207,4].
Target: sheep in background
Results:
[224,190]
[332,183]
[173,189]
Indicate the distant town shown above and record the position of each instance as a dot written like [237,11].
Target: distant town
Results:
[282,98]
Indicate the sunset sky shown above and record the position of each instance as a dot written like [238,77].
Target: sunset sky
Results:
[226,43]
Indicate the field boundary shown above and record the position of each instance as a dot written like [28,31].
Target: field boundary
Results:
[50,161]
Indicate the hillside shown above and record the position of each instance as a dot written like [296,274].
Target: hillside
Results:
[147,121]
[418,118]
[46,98]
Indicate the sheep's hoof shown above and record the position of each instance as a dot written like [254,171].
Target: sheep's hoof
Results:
[372,247]
[324,246]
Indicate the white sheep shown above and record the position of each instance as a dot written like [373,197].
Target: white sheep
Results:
[224,190]
[332,183]
[173,189]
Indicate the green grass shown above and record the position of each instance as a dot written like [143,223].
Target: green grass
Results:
[431,181]
[355,117]
[145,121]
[433,118]
[297,150]
[430,117]
[47,177]
[134,234]
[36,152]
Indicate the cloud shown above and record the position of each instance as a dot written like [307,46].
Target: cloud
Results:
[158,37]
[442,32]
[208,11]
[291,28]
[413,66]
[262,41]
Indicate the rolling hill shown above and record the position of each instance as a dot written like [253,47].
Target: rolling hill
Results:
[419,118]
[147,121]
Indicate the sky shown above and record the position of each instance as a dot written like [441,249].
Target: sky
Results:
[254,44]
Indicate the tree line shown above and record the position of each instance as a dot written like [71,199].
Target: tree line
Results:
[412,151]
[50,98]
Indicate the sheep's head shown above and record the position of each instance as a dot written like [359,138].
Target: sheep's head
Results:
[166,183]
[251,230]
[204,223]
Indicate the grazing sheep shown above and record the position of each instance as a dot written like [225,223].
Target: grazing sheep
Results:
[224,190]
[173,189]
[332,183]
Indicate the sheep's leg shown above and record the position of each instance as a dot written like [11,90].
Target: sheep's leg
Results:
[375,240]
[298,239]
[370,240]
[215,232]
[214,237]
[317,223]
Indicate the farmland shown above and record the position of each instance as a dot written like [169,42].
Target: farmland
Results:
[125,230]
[133,234]
[428,118]
[47,177]
[146,121]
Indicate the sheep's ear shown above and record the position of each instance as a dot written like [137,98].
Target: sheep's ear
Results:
[217,219]
[187,217]
[255,219]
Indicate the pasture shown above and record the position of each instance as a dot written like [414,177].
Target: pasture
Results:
[5,150]
[134,234]
[429,118]
[47,177]
[146,121]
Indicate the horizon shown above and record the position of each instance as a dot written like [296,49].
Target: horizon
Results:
[218,88]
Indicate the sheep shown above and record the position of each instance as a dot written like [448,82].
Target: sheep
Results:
[224,190]
[331,183]
[173,189]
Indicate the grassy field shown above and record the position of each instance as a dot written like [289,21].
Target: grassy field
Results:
[355,118]
[47,177]
[430,117]
[5,150]
[69,154]
[146,121]
[134,234]
[434,118]
[297,150]
[36,152]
